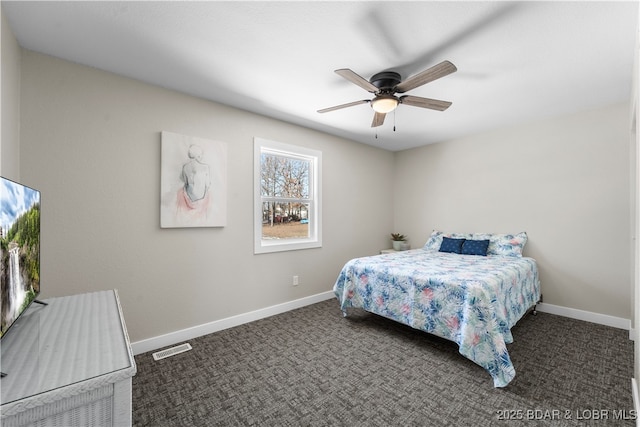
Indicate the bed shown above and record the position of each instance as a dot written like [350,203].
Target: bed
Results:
[470,299]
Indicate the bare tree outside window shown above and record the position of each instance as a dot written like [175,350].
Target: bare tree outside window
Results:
[287,197]
[285,188]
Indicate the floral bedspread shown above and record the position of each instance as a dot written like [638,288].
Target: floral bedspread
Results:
[471,300]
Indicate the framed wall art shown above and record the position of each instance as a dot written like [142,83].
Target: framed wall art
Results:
[193,175]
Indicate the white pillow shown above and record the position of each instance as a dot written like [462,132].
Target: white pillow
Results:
[499,244]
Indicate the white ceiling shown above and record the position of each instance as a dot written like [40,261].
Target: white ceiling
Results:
[517,61]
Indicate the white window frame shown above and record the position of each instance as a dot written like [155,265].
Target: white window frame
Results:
[314,240]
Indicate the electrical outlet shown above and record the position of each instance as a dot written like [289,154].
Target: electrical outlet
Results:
[295,281]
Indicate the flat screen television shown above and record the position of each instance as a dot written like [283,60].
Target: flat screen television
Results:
[19,250]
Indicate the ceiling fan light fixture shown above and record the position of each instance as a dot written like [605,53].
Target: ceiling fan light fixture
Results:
[384,104]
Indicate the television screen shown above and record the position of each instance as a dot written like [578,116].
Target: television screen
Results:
[19,250]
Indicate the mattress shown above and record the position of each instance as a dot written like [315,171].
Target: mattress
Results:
[471,300]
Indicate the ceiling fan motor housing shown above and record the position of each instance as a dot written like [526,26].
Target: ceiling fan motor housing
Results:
[385,80]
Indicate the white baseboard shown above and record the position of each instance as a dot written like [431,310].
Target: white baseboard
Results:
[172,338]
[636,401]
[176,337]
[573,313]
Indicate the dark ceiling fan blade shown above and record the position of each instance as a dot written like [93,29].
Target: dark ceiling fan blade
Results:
[379,33]
[357,79]
[417,101]
[337,107]
[502,12]
[378,119]
[437,71]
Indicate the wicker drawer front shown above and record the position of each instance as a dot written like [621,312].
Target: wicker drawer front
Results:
[93,408]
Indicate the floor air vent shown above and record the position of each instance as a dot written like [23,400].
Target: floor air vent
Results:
[163,354]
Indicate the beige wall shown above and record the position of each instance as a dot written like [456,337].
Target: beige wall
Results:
[10,76]
[91,144]
[90,141]
[565,181]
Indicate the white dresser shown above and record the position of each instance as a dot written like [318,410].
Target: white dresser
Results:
[68,363]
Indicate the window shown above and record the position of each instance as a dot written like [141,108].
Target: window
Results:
[287,197]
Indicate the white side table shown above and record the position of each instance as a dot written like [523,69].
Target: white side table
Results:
[68,363]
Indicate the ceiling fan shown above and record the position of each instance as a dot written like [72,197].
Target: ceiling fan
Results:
[386,84]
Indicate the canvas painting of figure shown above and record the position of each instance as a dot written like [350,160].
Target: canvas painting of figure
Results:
[193,182]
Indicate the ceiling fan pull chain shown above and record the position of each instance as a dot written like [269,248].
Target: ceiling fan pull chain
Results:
[394,120]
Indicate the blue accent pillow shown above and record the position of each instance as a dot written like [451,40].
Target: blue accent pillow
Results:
[451,245]
[475,247]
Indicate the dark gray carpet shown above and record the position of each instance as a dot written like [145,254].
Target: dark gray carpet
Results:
[312,367]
